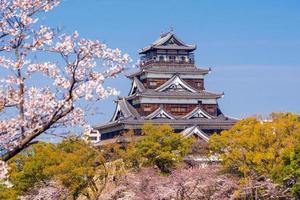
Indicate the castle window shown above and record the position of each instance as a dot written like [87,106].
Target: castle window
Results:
[147,108]
[199,84]
[171,58]
[161,58]
[178,109]
[211,109]
[152,83]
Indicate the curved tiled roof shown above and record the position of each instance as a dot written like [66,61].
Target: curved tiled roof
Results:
[202,122]
[125,108]
[163,43]
[136,84]
[195,130]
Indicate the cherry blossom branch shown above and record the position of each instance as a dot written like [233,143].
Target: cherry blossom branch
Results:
[29,109]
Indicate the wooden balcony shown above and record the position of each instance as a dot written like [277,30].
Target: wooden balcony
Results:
[159,63]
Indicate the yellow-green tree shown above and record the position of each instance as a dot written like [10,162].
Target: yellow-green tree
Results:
[74,163]
[289,172]
[254,147]
[7,193]
[159,146]
[29,167]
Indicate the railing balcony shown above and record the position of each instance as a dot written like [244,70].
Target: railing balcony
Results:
[166,61]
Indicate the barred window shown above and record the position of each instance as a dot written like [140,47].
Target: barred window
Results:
[153,83]
[178,109]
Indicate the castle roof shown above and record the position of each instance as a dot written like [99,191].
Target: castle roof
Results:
[220,122]
[174,88]
[168,41]
[136,86]
[124,110]
[200,94]
[195,130]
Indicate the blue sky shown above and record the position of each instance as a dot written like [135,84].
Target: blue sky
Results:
[253,47]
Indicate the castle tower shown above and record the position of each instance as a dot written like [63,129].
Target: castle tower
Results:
[168,88]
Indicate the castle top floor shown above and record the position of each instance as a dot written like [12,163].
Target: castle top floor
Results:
[168,50]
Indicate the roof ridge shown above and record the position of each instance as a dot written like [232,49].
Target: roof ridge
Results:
[125,104]
[139,84]
[163,39]
[213,93]
[131,109]
[190,130]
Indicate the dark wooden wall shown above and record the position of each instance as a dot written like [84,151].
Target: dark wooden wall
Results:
[153,83]
[175,109]
[195,83]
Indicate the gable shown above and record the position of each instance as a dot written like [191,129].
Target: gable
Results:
[136,86]
[200,134]
[194,130]
[133,89]
[172,41]
[118,114]
[175,84]
[199,114]
[160,114]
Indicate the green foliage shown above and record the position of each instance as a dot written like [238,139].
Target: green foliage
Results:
[7,193]
[253,147]
[29,167]
[158,146]
[72,162]
[84,170]
[289,172]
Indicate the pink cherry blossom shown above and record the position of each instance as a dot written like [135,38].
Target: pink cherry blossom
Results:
[70,70]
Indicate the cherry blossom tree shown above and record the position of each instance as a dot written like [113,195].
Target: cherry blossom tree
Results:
[46,77]
[47,190]
[182,183]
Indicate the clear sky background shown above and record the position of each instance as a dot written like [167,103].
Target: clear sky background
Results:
[253,47]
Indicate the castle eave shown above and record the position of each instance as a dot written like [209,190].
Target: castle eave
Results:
[128,124]
[164,43]
[170,70]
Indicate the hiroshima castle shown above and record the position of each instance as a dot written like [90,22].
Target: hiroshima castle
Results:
[168,88]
